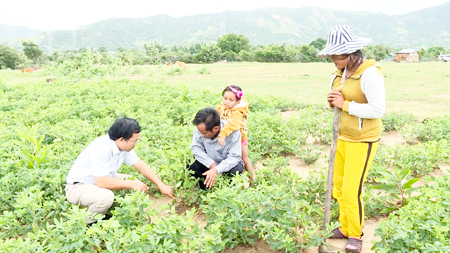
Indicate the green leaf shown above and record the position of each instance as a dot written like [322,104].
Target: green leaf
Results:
[386,187]
[404,173]
[386,210]
[412,189]
[410,183]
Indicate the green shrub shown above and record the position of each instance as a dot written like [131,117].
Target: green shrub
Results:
[396,121]
[431,130]
[423,225]
[276,210]
[421,159]
[204,71]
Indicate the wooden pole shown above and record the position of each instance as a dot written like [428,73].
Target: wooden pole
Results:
[326,215]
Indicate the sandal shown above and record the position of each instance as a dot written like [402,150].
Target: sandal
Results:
[353,245]
[337,233]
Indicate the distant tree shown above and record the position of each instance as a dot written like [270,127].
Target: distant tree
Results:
[195,48]
[229,56]
[209,53]
[308,53]
[103,50]
[318,43]
[153,47]
[245,56]
[121,49]
[32,51]
[378,52]
[9,57]
[233,42]
[434,51]
[133,56]
[154,52]
[422,53]
[275,53]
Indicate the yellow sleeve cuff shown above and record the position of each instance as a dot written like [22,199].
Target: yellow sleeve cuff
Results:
[345,106]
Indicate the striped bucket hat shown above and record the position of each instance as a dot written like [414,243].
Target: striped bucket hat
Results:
[341,40]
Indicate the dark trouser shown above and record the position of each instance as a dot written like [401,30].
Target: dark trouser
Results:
[199,169]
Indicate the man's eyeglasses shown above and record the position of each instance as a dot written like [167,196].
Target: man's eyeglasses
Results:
[135,141]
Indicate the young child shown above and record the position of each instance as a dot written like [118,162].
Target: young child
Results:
[234,110]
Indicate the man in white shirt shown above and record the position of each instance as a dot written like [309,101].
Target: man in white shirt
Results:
[94,175]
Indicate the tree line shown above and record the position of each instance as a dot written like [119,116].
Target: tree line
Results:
[230,47]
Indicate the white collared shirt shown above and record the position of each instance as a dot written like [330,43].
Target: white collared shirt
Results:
[100,158]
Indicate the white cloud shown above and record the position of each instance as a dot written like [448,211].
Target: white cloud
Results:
[59,14]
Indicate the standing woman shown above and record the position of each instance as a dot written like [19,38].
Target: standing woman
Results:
[357,90]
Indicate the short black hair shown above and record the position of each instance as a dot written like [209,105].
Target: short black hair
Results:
[208,116]
[123,127]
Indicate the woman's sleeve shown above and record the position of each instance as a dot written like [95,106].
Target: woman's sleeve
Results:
[372,85]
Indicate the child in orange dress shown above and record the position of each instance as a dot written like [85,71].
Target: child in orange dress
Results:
[234,110]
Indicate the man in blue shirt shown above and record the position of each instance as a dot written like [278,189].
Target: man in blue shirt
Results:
[94,175]
[211,158]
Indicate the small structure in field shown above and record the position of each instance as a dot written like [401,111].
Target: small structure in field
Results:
[407,55]
[27,70]
[180,64]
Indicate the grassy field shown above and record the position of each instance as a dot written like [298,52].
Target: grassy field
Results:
[46,124]
[419,89]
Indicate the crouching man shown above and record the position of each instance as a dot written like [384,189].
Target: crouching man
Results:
[94,175]
[211,158]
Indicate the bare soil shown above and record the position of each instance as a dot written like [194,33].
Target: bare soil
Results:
[299,167]
[392,138]
[338,245]
[444,167]
[260,246]
[180,209]
[288,114]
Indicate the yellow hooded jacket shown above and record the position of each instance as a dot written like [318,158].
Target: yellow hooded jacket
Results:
[360,119]
[236,118]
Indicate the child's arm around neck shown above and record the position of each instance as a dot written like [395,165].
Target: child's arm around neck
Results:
[236,119]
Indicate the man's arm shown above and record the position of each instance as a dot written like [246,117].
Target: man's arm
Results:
[234,156]
[148,173]
[111,183]
[198,150]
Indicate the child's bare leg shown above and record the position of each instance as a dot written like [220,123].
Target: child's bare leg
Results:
[247,163]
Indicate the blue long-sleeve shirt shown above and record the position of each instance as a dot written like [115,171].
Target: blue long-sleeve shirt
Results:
[207,151]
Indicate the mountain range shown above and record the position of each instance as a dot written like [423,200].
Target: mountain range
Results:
[427,27]
[9,32]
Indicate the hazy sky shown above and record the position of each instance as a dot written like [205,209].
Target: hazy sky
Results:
[66,15]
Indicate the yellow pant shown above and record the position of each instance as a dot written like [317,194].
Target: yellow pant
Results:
[352,163]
